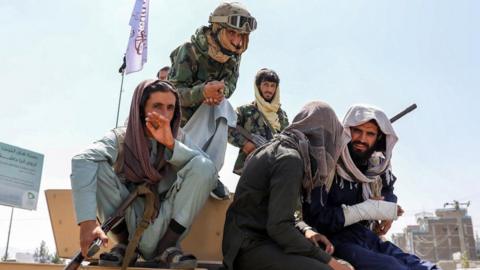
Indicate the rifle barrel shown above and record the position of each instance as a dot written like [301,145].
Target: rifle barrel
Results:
[403,113]
[75,263]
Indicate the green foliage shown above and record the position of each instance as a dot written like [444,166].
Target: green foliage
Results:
[42,255]
[465,261]
[57,260]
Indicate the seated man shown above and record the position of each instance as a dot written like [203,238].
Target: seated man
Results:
[105,173]
[362,192]
[262,118]
[260,230]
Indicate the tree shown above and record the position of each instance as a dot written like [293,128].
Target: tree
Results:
[57,260]
[464,260]
[41,254]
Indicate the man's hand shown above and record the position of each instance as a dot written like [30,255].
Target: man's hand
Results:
[335,265]
[159,128]
[213,92]
[211,101]
[89,231]
[399,211]
[382,227]
[316,238]
[248,147]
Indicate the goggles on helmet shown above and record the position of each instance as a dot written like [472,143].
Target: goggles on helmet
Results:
[239,22]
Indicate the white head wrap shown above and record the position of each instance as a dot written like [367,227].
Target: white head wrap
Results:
[379,162]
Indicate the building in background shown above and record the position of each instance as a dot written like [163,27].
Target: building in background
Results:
[437,236]
[24,257]
[477,244]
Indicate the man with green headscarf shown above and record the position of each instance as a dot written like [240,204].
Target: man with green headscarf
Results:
[205,72]
[261,118]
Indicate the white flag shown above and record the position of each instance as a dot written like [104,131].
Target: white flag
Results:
[136,54]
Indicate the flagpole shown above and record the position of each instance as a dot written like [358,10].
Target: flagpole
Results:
[137,44]
[121,70]
[5,258]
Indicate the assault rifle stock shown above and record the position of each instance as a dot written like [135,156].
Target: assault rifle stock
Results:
[254,138]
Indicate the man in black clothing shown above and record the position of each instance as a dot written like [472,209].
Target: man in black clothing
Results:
[260,229]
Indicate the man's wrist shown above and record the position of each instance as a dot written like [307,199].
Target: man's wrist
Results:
[88,223]
[170,145]
[204,93]
[205,90]
[308,228]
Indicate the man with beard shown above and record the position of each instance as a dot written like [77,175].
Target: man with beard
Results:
[262,118]
[205,72]
[361,193]
[151,150]
[260,230]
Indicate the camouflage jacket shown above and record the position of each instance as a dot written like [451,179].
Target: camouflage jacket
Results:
[249,117]
[192,68]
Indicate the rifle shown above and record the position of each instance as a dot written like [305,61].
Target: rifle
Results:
[111,222]
[254,138]
[393,119]
[403,113]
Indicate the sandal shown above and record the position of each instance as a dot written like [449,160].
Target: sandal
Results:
[174,258]
[114,257]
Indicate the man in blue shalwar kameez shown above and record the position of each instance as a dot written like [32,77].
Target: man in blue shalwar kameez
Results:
[360,197]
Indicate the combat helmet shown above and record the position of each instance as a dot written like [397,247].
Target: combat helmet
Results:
[235,16]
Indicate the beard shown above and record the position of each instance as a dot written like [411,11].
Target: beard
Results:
[360,158]
[268,99]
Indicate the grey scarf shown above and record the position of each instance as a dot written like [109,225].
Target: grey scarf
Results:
[316,133]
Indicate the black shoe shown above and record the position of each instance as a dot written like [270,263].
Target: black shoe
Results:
[220,192]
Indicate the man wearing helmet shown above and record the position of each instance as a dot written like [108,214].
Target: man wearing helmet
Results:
[361,194]
[205,72]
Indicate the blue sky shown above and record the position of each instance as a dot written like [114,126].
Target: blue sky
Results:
[59,82]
